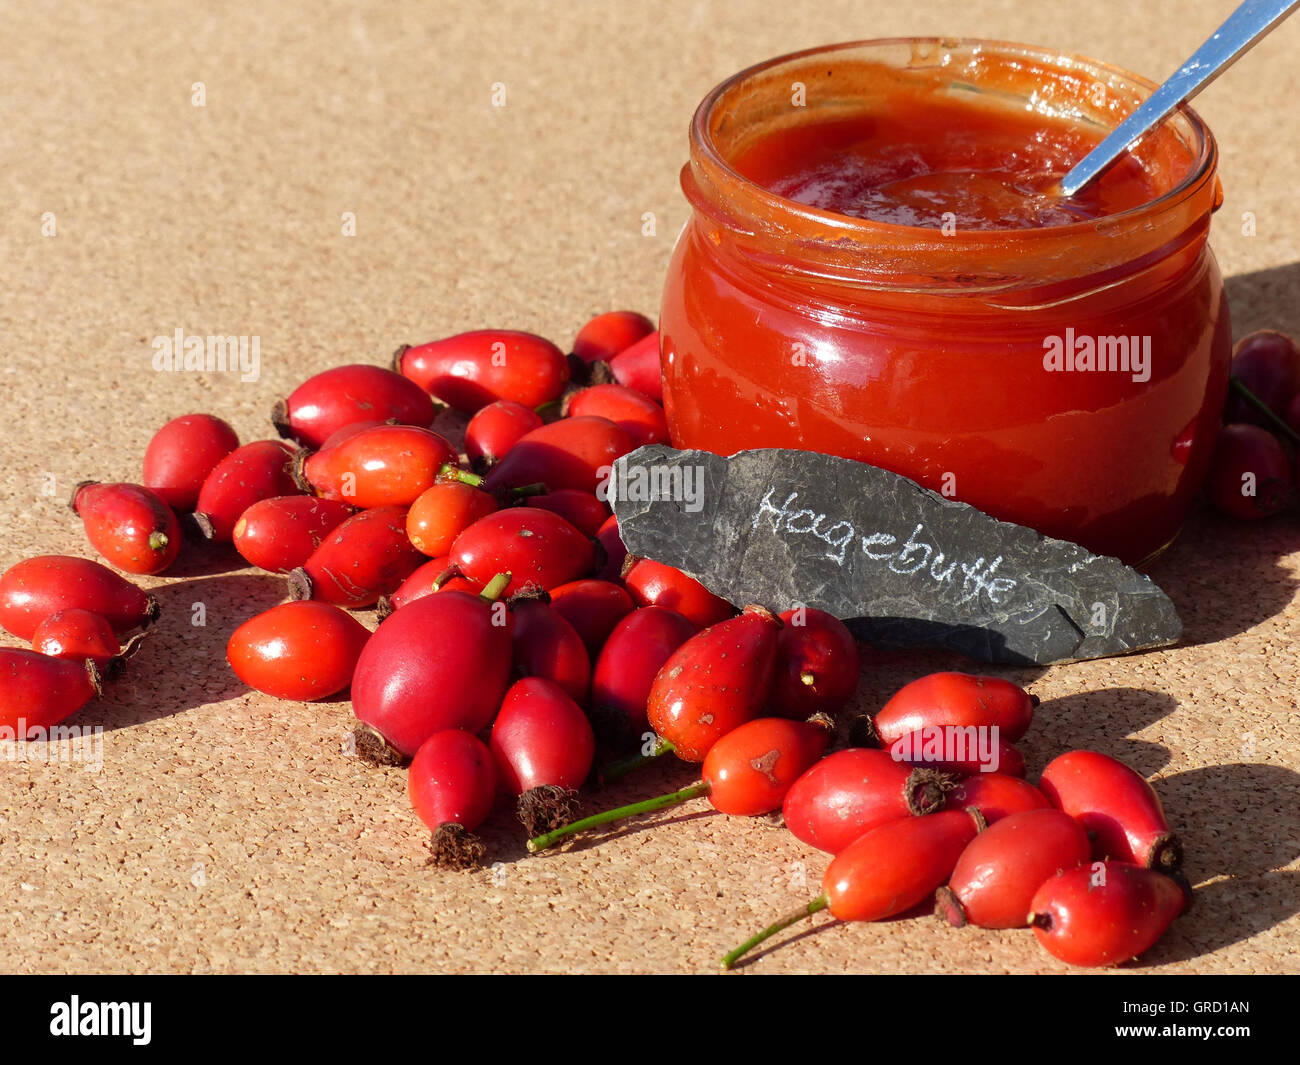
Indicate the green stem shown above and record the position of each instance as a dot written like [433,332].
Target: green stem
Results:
[492,591]
[1277,423]
[537,488]
[627,765]
[550,839]
[448,472]
[819,903]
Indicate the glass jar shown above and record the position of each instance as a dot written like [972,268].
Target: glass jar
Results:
[930,353]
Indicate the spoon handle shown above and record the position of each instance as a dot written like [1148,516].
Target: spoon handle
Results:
[1251,21]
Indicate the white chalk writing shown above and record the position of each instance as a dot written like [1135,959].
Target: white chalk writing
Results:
[918,555]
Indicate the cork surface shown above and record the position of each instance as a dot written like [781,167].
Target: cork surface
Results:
[226,831]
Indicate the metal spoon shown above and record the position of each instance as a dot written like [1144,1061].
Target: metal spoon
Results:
[1252,21]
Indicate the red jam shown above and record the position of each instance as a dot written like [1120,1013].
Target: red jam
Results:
[887,272]
[943,160]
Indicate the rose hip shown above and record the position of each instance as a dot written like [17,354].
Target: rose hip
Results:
[35,588]
[280,534]
[38,691]
[470,370]
[452,784]
[626,668]
[298,651]
[365,557]
[853,791]
[956,750]
[652,583]
[347,432]
[129,525]
[715,681]
[640,417]
[1266,363]
[543,746]
[961,699]
[884,872]
[436,575]
[1116,804]
[389,465]
[77,634]
[539,549]
[545,645]
[1106,912]
[746,773]
[1250,474]
[570,453]
[495,429]
[610,333]
[580,509]
[593,608]
[181,455]
[256,471]
[615,552]
[338,397]
[817,664]
[441,662]
[996,796]
[638,368]
[995,879]
[442,512]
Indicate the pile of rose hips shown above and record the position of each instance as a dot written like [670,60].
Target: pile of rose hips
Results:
[510,612]
[1255,470]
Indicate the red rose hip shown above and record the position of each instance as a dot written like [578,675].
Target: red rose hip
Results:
[960,699]
[280,534]
[363,558]
[853,791]
[77,634]
[389,465]
[817,664]
[539,549]
[38,691]
[129,525]
[626,668]
[495,429]
[715,681]
[610,333]
[470,370]
[1116,804]
[181,455]
[652,583]
[256,471]
[343,395]
[299,651]
[32,590]
[995,879]
[543,747]
[1104,913]
[441,662]
[452,784]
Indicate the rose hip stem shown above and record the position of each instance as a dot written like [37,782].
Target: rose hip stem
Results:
[806,910]
[627,765]
[659,802]
[746,773]
[1277,424]
[455,473]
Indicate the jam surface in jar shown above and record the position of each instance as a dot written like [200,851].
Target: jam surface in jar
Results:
[931,161]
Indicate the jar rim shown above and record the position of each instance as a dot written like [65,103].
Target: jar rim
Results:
[710,167]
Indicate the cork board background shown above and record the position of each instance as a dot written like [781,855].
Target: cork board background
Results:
[228,832]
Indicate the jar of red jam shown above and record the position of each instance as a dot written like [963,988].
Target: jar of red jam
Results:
[879,265]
